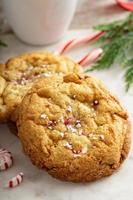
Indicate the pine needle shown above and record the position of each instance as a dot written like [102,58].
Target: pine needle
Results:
[129,73]
[117,43]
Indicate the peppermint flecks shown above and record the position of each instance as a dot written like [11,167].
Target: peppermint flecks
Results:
[47,74]
[71,128]
[101,137]
[69,109]
[62,134]
[51,124]
[68,121]
[95,102]
[78,124]
[43,116]
[68,145]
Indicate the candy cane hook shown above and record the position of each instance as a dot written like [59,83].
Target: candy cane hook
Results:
[91,57]
[76,42]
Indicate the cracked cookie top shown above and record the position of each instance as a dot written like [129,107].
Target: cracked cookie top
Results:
[73,127]
[19,73]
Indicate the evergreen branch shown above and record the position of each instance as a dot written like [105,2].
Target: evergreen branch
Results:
[117,43]
[129,73]
[2,44]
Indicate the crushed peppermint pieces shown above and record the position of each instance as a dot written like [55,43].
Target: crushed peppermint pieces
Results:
[95,102]
[68,121]
[78,124]
[68,145]
[62,134]
[43,116]
[15,181]
[69,109]
[47,74]
[76,153]
[51,124]
[71,128]
[101,137]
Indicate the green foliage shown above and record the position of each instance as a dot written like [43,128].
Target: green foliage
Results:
[117,43]
[2,44]
[129,73]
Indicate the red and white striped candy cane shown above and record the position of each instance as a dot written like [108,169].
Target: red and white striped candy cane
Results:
[6,159]
[15,181]
[91,57]
[76,42]
[127,5]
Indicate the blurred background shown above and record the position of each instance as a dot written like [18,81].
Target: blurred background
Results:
[88,14]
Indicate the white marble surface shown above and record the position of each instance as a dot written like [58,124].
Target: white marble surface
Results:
[37,184]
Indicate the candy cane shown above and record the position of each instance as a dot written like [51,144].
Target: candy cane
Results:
[91,57]
[6,160]
[75,42]
[15,181]
[126,5]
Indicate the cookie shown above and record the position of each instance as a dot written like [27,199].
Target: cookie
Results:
[18,74]
[74,128]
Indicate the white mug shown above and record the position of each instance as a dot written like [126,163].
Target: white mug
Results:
[39,22]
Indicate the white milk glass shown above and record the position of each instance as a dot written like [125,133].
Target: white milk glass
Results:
[39,22]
